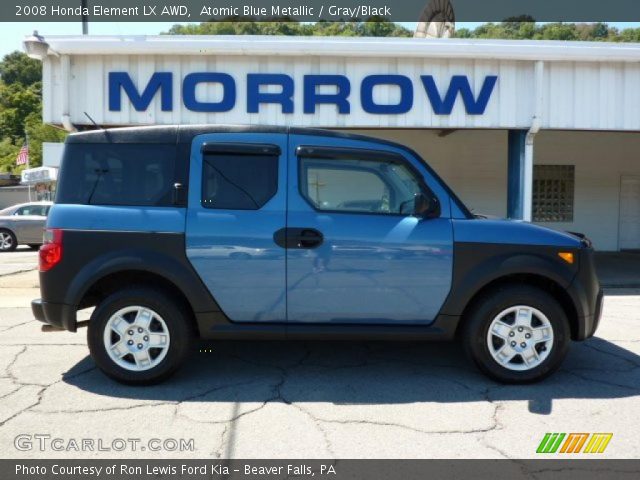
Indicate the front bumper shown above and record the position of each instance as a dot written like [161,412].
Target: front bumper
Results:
[587,296]
[56,314]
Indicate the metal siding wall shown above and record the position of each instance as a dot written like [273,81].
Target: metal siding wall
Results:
[590,96]
[510,104]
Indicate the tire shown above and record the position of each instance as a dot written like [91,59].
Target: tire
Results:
[165,317]
[536,356]
[8,240]
[34,246]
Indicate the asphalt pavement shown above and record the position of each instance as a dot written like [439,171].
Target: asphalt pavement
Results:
[305,399]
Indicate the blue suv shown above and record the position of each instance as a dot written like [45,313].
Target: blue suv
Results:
[173,233]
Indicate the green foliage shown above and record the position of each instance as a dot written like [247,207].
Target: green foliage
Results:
[524,28]
[39,132]
[8,154]
[374,27]
[17,102]
[16,67]
[21,112]
[516,28]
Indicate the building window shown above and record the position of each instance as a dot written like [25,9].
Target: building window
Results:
[553,192]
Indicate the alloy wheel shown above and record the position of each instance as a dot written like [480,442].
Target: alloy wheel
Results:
[136,338]
[520,338]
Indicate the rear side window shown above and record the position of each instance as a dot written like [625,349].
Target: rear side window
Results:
[118,174]
[237,181]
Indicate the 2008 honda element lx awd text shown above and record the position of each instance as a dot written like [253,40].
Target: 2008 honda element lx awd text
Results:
[259,233]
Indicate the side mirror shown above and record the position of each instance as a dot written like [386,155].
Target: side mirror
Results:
[426,207]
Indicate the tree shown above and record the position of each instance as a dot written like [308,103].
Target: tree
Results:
[38,133]
[8,154]
[17,102]
[16,67]
[21,112]
[373,27]
[524,28]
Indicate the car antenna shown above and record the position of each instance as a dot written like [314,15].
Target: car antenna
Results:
[93,121]
[106,132]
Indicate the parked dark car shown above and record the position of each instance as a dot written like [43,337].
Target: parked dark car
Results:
[276,233]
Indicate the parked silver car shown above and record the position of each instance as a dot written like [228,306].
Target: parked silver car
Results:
[23,224]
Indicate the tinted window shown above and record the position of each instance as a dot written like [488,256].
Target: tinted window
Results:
[32,210]
[117,174]
[353,185]
[238,182]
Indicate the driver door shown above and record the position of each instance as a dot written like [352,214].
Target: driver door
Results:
[356,253]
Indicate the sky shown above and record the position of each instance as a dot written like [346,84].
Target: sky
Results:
[12,34]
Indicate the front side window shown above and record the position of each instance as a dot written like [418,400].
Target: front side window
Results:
[359,186]
[237,181]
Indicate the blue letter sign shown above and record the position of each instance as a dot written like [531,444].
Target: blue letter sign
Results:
[406,94]
[459,83]
[312,97]
[283,93]
[255,97]
[119,81]
[192,80]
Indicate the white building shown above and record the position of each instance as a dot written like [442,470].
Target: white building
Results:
[539,130]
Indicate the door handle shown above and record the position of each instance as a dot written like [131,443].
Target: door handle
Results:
[301,238]
[309,238]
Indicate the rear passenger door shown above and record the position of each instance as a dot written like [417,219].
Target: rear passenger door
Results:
[29,223]
[358,253]
[237,200]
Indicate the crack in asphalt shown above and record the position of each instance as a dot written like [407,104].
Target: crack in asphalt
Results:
[42,388]
[16,272]
[277,392]
[6,329]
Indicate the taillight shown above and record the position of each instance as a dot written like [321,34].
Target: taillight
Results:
[51,249]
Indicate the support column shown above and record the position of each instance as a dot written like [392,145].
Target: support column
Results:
[516,168]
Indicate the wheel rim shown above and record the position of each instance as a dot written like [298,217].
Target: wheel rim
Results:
[136,338]
[520,338]
[6,242]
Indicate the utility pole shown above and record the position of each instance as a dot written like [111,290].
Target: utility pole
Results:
[85,19]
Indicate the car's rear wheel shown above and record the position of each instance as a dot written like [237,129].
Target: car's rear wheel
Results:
[517,334]
[8,241]
[139,335]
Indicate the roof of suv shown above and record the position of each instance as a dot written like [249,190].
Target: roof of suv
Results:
[185,133]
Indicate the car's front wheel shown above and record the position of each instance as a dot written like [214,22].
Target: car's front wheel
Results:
[139,335]
[517,334]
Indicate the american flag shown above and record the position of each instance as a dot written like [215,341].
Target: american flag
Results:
[23,156]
